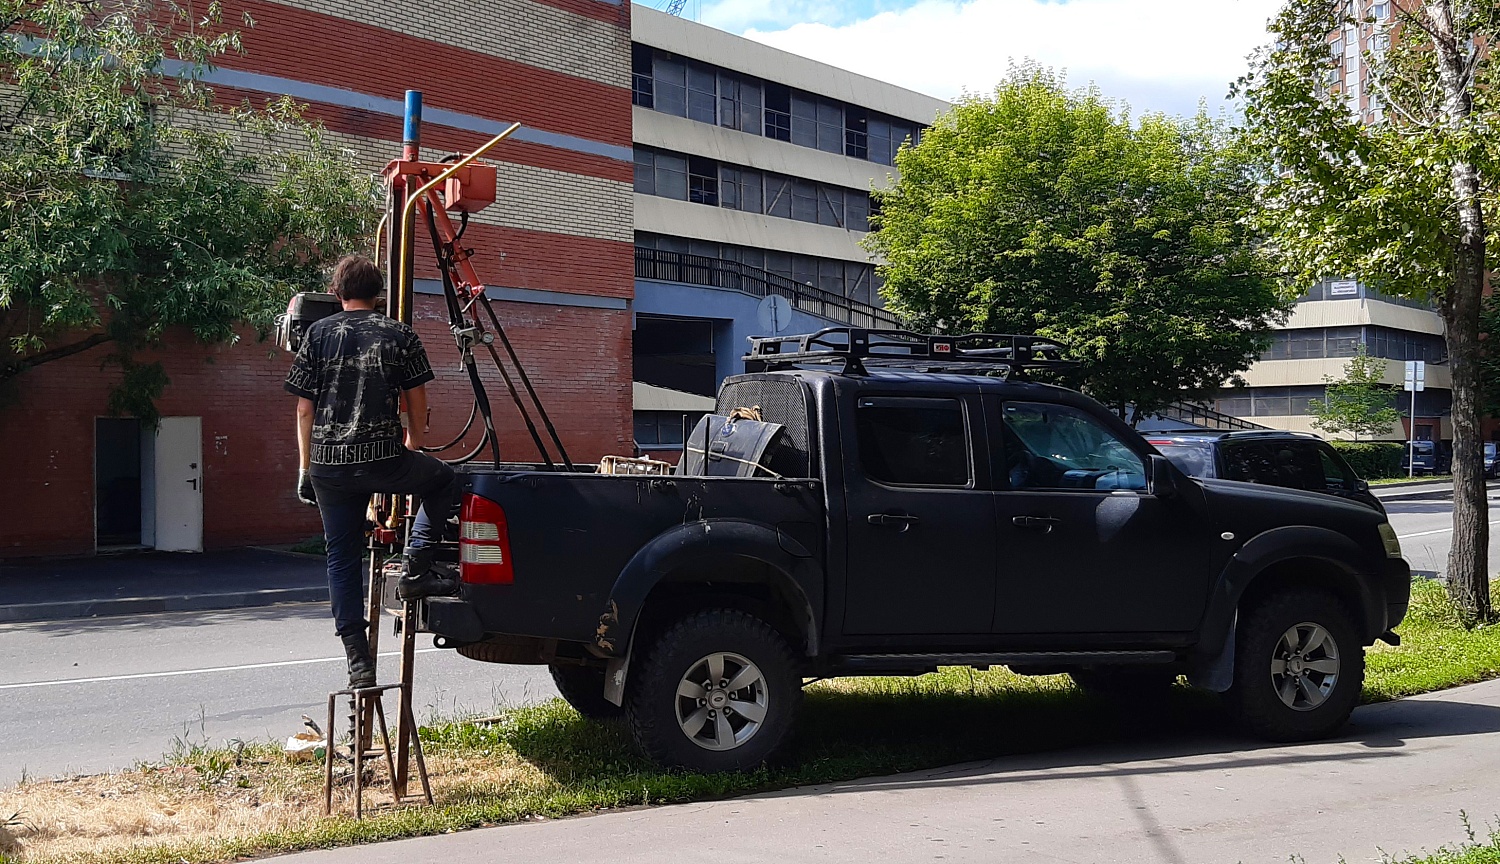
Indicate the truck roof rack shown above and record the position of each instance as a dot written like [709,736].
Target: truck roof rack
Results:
[857,348]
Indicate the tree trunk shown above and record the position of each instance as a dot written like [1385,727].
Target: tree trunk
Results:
[1468,558]
[32,361]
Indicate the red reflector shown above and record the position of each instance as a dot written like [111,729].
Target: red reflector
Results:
[484,543]
[942,348]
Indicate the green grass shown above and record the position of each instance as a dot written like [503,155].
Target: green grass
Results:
[547,761]
[1475,851]
[1420,478]
[310,546]
[1436,651]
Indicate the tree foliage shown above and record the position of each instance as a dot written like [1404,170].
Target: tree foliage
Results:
[1358,403]
[1400,197]
[130,204]
[1044,210]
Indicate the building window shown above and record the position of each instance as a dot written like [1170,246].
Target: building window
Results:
[856,132]
[778,112]
[703,181]
[641,89]
[669,75]
[804,200]
[831,205]
[702,100]
[804,119]
[778,196]
[830,127]
[663,429]
[849,279]
[739,103]
[740,189]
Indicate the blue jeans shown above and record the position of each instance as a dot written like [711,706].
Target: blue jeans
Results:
[344,497]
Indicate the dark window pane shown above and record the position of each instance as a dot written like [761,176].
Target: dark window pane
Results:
[749,108]
[805,269]
[778,196]
[729,187]
[1271,401]
[779,263]
[804,120]
[645,428]
[880,141]
[831,276]
[703,181]
[913,442]
[671,85]
[704,248]
[778,112]
[671,176]
[857,281]
[640,75]
[750,191]
[804,201]
[645,172]
[857,211]
[830,126]
[702,100]
[830,206]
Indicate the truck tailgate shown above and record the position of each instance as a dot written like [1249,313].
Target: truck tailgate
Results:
[571,536]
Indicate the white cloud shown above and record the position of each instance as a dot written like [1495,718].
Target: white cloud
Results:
[1157,55]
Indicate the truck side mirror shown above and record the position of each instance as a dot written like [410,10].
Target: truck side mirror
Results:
[1163,477]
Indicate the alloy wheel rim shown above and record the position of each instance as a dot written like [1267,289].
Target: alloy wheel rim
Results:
[1305,666]
[721,701]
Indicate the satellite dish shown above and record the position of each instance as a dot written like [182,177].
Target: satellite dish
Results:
[774,313]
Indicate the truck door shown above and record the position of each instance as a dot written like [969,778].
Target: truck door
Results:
[921,552]
[1083,547]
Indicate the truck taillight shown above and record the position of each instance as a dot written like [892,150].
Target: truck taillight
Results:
[484,543]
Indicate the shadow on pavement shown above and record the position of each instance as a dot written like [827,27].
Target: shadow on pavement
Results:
[170,620]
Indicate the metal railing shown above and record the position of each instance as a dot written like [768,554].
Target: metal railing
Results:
[1207,418]
[717,273]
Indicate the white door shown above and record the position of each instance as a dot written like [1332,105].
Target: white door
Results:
[179,484]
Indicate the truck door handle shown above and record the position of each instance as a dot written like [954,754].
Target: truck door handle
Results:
[901,522]
[1044,523]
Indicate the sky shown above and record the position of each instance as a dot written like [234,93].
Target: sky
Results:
[1156,55]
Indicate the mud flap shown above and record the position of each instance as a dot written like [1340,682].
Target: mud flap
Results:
[614,680]
[1216,674]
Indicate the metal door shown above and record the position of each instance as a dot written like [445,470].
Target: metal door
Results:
[921,519]
[179,484]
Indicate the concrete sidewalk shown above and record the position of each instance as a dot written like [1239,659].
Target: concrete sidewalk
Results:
[132,584]
[1401,781]
[1422,490]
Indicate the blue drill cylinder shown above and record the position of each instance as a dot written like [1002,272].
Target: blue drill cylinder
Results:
[411,132]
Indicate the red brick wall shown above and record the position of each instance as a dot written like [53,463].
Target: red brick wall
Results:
[579,360]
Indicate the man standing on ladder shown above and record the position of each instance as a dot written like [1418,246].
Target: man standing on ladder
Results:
[349,376]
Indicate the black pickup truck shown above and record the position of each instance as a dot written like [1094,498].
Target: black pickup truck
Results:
[910,510]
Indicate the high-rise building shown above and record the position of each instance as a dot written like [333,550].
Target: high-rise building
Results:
[1337,315]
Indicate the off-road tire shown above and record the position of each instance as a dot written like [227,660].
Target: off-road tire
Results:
[583,688]
[1253,698]
[1125,683]
[652,699]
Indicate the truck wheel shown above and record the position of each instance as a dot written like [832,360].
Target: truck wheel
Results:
[1124,682]
[1298,667]
[717,691]
[583,688]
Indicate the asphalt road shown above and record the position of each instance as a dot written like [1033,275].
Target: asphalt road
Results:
[1399,782]
[91,695]
[1426,531]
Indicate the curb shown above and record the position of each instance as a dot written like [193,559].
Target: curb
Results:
[30,612]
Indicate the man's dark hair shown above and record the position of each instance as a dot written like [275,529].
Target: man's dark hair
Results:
[357,278]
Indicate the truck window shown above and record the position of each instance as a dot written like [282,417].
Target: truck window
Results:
[913,442]
[1060,447]
[1336,475]
[1289,464]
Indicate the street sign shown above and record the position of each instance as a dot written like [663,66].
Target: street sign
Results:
[1416,376]
[1343,288]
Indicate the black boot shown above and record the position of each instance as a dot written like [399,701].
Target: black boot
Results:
[361,664]
[421,578]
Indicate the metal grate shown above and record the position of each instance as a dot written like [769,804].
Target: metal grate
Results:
[781,400]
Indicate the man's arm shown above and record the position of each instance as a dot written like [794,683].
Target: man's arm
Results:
[304,432]
[416,417]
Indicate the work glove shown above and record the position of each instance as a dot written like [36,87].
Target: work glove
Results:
[305,492]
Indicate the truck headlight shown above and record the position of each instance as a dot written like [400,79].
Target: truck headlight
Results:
[1390,540]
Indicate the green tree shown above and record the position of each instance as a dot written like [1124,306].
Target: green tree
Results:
[1044,210]
[1360,402]
[129,204]
[1398,196]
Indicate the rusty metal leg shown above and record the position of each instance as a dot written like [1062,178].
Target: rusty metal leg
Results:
[406,717]
[410,722]
[359,756]
[333,699]
[373,610]
[385,741]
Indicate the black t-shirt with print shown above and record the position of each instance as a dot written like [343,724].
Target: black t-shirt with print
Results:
[353,366]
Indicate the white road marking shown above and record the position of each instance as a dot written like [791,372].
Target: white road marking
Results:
[138,676]
[1435,531]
